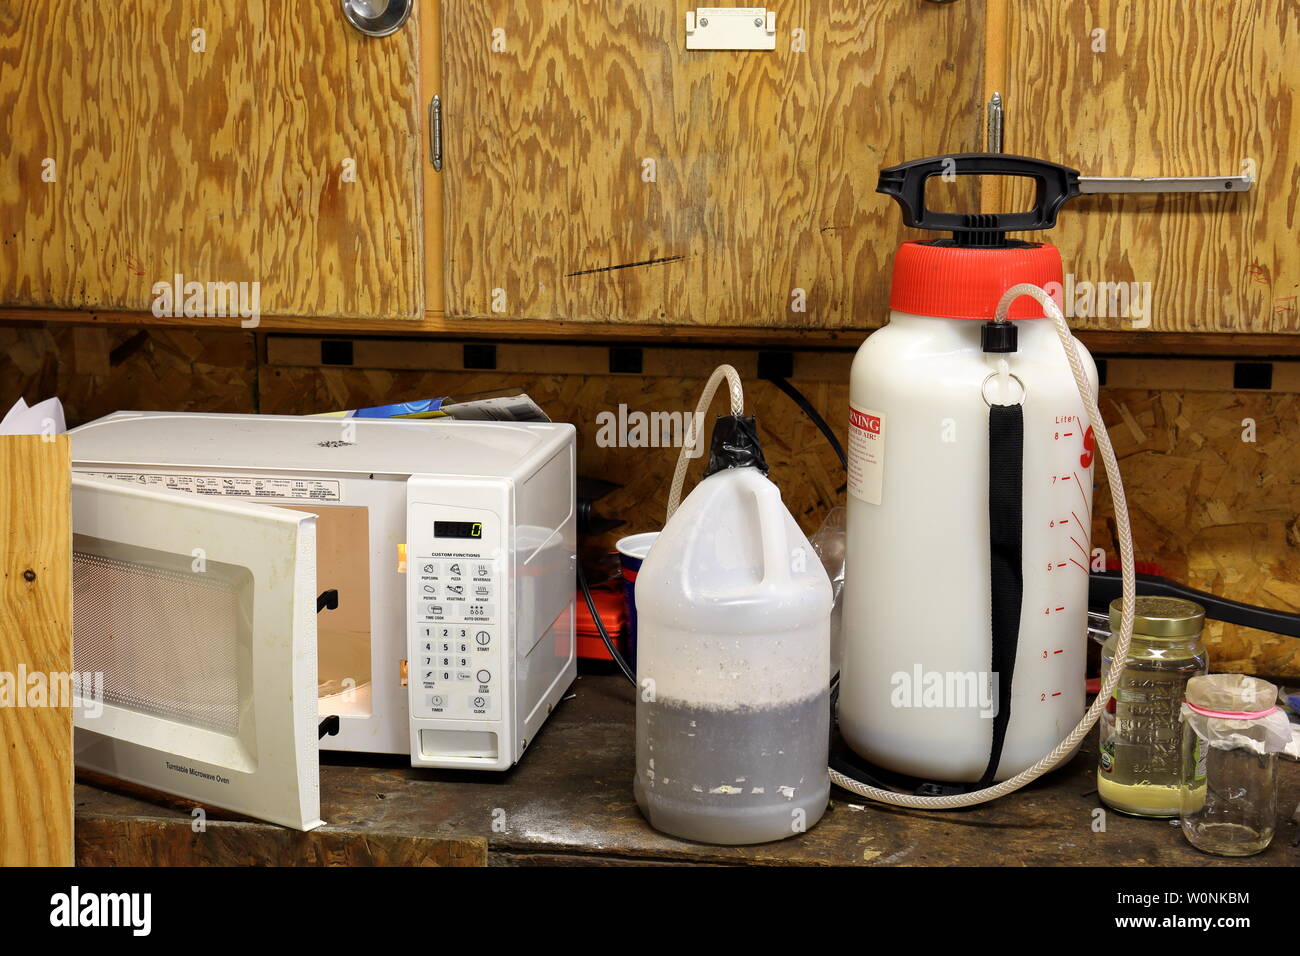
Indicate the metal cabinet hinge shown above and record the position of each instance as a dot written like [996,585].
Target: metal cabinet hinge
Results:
[435,132]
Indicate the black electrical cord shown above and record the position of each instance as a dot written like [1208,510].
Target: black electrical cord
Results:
[600,627]
[799,399]
[815,417]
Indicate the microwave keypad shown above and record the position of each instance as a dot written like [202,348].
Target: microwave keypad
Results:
[457,637]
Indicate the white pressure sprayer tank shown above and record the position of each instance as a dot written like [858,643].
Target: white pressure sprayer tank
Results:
[970,499]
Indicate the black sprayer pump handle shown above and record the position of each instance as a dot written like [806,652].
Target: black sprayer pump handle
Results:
[906,183]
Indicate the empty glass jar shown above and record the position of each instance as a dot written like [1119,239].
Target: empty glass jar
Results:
[1139,761]
[1233,732]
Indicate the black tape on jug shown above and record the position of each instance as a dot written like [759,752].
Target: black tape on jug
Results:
[735,445]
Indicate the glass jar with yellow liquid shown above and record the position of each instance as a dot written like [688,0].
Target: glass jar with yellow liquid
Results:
[1139,768]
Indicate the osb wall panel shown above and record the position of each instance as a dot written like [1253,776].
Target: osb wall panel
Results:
[1211,509]
[765,162]
[1208,508]
[100,370]
[1180,89]
[802,463]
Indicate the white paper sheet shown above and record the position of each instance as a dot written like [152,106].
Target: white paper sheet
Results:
[43,418]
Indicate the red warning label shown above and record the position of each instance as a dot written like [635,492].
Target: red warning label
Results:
[866,453]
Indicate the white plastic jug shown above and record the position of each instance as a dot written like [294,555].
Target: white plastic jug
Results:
[918,691]
[733,665]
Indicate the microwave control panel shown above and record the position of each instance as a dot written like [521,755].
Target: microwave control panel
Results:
[458,585]
[458,635]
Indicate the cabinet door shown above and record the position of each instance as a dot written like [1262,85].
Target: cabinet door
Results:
[223,141]
[194,632]
[598,171]
[1168,88]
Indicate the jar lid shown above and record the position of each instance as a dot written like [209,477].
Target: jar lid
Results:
[1160,616]
[1231,693]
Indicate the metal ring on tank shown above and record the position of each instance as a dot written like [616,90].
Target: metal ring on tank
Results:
[992,375]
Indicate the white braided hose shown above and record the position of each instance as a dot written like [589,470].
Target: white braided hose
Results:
[693,436]
[1111,678]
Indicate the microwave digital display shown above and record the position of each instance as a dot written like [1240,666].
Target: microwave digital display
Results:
[458,529]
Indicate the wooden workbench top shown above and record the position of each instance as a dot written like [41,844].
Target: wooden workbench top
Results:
[570,801]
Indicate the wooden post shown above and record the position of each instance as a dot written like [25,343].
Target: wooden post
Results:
[35,651]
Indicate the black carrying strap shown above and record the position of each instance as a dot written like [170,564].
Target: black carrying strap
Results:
[1006,507]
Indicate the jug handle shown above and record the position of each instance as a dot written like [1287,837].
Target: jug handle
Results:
[776,559]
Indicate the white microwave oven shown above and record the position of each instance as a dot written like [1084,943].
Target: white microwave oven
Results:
[253,588]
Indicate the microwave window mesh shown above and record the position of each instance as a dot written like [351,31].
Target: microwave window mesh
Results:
[167,642]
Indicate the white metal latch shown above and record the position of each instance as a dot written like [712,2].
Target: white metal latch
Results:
[731,28]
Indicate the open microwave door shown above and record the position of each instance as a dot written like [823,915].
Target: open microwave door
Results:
[194,635]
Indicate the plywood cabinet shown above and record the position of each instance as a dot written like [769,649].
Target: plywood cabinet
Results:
[598,171]
[221,140]
[598,177]
[1169,88]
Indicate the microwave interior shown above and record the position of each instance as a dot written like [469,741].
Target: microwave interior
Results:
[180,640]
[344,676]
